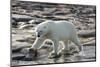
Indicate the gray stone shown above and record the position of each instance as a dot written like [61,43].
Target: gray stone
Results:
[87,33]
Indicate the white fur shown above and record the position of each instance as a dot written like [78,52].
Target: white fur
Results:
[56,31]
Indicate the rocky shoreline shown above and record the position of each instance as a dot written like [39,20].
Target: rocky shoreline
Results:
[30,14]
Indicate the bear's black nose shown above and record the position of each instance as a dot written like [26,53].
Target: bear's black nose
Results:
[38,35]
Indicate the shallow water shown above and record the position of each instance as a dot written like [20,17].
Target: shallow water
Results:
[89,52]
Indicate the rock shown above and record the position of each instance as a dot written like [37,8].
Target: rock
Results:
[91,26]
[21,40]
[60,13]
[91,43]
[21,18]
[48,17]
[37,7]
[32,22]
[19,47]
[47,14]
[18,56]
[31,55]
[52,56]
[36,21]
[25,50]
[21,23]
[87,33]
[14,23]
[28,39]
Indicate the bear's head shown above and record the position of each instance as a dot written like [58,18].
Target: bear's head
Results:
[42,29]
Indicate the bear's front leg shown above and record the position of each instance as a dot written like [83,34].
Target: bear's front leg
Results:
[54,53]
[65,50]
[36,45]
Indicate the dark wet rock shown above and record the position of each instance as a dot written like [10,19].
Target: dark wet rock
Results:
[48,17]
[29,40]
[21,40]
[21,23]
[29,58]
[26,54]
[27,26]
[30,54]
[47,14]
[18,56]
[19,48]
[37,16]
[15,4]
[66,52]
[37,7]
[14,23]
[91,16]
[25,50]
[61,13]
[33,51]
[54,56]
[87,33]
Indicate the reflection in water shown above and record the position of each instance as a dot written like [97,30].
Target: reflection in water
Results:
[66,58]
[62,59]
[43,57]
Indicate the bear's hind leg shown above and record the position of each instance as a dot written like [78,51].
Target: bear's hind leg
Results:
[77,42]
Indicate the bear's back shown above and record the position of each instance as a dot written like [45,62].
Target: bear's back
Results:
[64,24]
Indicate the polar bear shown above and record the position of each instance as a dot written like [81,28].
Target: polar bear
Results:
[56,31]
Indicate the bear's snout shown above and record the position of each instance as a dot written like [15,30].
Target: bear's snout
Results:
[39,33]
